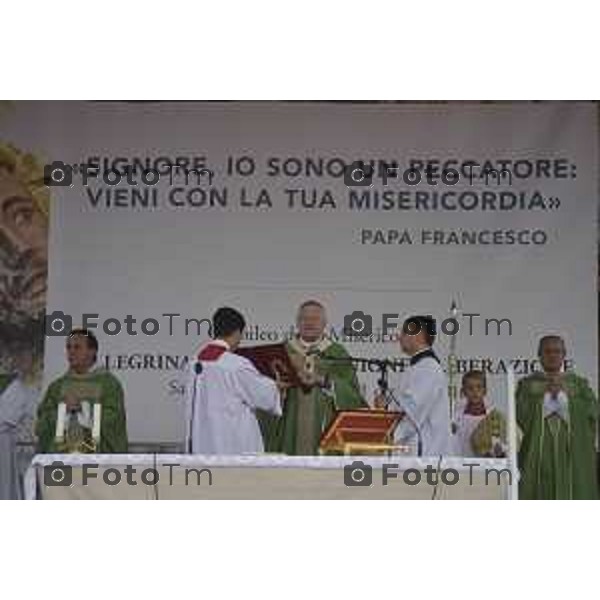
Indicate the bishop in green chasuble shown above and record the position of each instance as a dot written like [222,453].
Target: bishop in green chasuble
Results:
[329,384]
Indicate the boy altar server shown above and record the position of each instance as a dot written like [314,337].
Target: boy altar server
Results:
[480,431]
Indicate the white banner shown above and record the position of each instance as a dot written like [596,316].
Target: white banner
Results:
[275,223]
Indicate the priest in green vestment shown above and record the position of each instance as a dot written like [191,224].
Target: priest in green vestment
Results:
[83,385]
[558,414]
[327,387]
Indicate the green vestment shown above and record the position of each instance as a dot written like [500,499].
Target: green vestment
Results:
[96,386]
[307,413]
[557,458]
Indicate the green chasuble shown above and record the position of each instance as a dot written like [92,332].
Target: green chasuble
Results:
[98,385]
[557,458]
[307,413]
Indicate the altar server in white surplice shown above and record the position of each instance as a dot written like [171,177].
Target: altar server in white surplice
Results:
[423,391]
[225,391]
[19,396]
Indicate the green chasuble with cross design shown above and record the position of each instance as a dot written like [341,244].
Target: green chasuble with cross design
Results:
[307,413]
[557,458]
[96,386]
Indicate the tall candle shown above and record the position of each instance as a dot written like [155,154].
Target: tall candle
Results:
[512,433]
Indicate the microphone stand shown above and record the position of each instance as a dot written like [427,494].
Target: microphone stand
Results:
[197,371]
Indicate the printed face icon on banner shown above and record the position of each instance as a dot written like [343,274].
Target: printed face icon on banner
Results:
[23,256]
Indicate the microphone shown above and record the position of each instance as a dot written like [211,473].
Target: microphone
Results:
[197,370]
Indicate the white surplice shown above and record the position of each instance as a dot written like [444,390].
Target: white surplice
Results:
[423,394]
[466,424]
[221,404]
[17,408]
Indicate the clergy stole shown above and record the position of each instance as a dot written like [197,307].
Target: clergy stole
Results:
[308,430]
[96,386]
